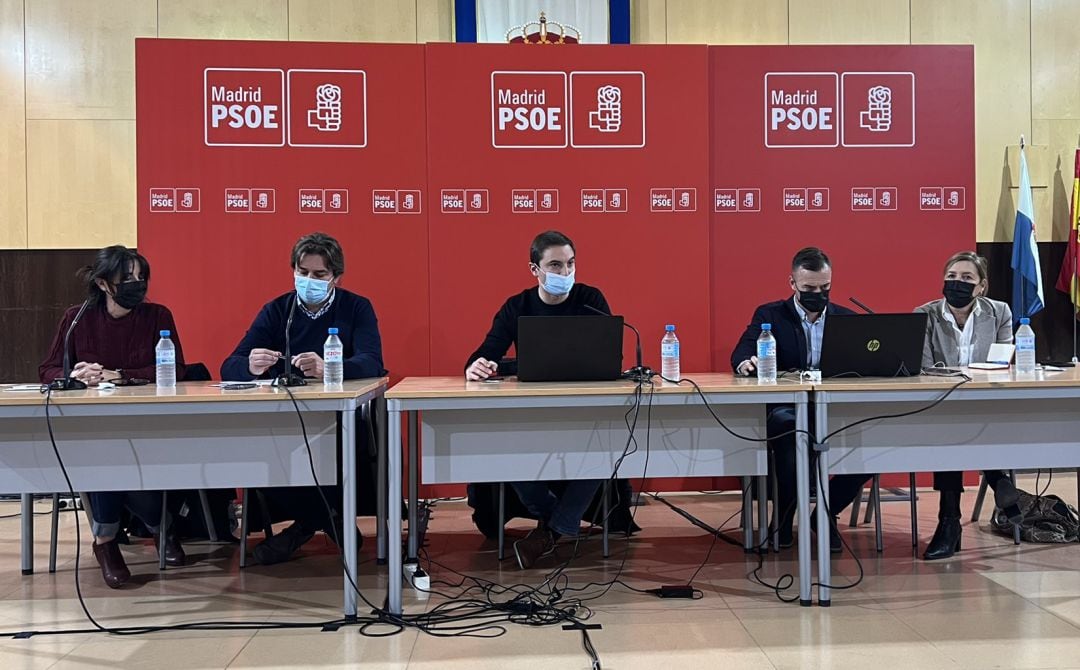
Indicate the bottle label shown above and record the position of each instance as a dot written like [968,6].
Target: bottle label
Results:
[332,356]
[669,349]
[166,357]
[1025,344]
[766,349]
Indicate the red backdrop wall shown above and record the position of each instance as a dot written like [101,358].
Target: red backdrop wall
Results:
[419,136]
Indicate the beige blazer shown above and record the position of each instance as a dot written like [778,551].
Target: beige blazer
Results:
[993,325]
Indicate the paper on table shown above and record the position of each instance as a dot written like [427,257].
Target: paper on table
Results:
[999,353]
[24,387]
[257,382]
[989,366]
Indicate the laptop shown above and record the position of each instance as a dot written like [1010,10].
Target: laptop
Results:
[569,348]
[873,345]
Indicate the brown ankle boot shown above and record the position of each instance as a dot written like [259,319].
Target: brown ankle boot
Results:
[113,567]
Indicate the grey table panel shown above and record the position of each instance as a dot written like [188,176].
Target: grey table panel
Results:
[109,453]
[586,443]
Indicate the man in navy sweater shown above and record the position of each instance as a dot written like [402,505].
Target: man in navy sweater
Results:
[318,264]
[798,324]
[553,261]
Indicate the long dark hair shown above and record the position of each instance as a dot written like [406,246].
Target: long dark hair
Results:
[113,264]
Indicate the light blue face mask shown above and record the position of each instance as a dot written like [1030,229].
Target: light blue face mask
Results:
[557,284]
[312,291]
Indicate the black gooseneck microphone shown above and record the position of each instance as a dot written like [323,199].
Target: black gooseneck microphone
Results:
[859,304]
[639,372]
[289,378]
[67,382]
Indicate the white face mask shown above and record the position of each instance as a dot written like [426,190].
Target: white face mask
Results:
[557,284]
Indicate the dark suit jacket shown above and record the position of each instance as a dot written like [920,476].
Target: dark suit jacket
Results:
[786,328]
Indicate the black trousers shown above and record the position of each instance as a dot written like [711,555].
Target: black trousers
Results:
[954,481]
[842,488]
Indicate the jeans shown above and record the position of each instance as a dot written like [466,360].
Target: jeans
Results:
[954,481]
[562,514]
[842,488]
[107,506]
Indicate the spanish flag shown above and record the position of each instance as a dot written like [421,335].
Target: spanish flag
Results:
[1067,281]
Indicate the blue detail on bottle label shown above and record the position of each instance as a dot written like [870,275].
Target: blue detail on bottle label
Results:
[669,350]
[765,349]
[166,357]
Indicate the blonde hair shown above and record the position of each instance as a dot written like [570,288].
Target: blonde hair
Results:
[975,259]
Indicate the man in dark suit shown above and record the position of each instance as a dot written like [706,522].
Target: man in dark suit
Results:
[798,324]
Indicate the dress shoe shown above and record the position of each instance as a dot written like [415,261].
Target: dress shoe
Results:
[174,551]
[946,540]
[337,534]
[282,546]
[113,568]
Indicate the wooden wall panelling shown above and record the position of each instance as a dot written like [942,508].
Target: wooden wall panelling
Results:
[12,127]
[727,22]
[849,22]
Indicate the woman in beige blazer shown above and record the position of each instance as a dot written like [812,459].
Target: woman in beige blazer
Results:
[959,330]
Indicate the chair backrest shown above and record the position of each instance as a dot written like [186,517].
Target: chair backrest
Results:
[196,372]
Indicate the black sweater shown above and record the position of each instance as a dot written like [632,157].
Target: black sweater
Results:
[504,328]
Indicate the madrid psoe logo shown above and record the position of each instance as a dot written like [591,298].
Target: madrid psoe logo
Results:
[877,117]
[327,108]
[607,117]
[243,107]
[327,113]
[801,109]
[878,109]
[528,110]
[607,109]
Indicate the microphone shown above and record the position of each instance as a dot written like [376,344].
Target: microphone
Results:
[859,304]
[67,382]
[288,377]
[639,372]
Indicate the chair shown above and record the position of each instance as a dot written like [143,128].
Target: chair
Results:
[873,509]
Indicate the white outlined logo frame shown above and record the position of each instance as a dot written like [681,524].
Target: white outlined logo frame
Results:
[288,115]
[570,108]
[837,111]
[843,111]
[284,106]
[566,107]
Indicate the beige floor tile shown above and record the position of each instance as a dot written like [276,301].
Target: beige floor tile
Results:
[139,653]
[343,648]
[36,653]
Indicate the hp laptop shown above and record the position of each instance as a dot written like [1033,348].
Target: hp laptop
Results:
[873,345]
[569,348]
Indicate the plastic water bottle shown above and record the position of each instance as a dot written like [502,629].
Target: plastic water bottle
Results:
[766,354]
[165,361]
[1025,347]
[669,354]
[333,359]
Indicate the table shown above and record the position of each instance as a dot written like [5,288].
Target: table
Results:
[999,420]
[514,431]
[191,437]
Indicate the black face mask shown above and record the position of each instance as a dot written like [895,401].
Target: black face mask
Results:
[814,302]
[958,293]
[130,294]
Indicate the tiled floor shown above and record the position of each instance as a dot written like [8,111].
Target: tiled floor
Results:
[993,606]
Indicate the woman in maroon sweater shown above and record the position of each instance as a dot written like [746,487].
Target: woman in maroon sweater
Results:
[115,339]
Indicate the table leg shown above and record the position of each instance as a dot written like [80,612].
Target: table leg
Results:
[414,488]
[348,491]
[823,520]
[763,514]
[747,515]
[393,512]
[379,419]
[244,515]
[802,490]
[27,534]
[55,530]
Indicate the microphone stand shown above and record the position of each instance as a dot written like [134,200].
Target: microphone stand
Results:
[67,382]
[288,377]
[639,372]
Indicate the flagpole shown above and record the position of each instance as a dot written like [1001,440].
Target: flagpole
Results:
[1073,292]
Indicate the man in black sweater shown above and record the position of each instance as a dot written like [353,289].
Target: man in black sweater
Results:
[552,261]
[798,325]
[318,264]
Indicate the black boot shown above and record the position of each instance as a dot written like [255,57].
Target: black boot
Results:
[946,540]
[1007,499]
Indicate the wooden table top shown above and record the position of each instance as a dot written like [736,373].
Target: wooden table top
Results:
[457,387]
[190,392]
[980,379]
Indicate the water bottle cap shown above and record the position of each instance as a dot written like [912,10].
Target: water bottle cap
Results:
[1025,321]
[766,326]
[669,328]
[332,331]
[165,333]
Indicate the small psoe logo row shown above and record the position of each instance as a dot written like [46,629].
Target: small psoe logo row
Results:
[260,107]
[465,201]
[673,200]
[324,201]
[548,110]
[873,199]
[829,109]
[182,199]
[813,199]
[604,200]
[250,201]
[737,200]
[534,201]
[942,197]
[386,201]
